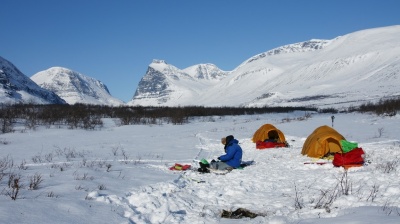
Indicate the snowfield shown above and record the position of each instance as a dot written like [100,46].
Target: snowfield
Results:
[120,174]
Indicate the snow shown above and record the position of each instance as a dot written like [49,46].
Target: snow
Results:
[74,87]
[120,174]
[362,66]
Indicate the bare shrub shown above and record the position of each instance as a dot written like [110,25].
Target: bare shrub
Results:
[102,187]
[49,157]
[70,154]
[14,185]
[6,163]
[52,195]
[37,158]
[307,115]
[388,208]
[381,131]
[125,157]
[64,166]
[35,181]
[101,163]
[346,185]
[23,166]
[84,162]
[373,193]
[326,198]
[61,167]
[388,167]
[115,151]
[121,176]
[59,152]
[54,166]
[138,160]
[298,200]
[85,176]
[79,187]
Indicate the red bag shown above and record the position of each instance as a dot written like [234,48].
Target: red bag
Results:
[266,145]
[353,158]
[178,166]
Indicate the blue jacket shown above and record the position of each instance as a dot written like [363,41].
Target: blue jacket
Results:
[233,156]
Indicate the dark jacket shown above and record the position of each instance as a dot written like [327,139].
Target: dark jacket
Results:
[234,153]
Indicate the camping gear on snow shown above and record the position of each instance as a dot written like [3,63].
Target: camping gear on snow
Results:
[178,166]
[268,136]
[348,146]
[353,158]
[321,142]
[205,167]
[269,144]
[238,214]
[204,161]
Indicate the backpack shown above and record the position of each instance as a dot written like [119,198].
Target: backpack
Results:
[353,158]
[348,146]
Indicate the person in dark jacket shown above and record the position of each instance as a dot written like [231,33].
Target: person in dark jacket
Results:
[232,157]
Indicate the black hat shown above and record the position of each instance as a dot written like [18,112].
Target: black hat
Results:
[229,138]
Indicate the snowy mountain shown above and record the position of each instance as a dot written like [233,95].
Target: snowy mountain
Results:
[347,70]
[15,87]
[74,87]
[166,84]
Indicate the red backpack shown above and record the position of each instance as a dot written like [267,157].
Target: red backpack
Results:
[353,158]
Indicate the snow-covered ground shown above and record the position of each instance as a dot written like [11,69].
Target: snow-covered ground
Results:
[119,174]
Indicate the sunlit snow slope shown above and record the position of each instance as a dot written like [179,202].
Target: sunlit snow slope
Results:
[347,70]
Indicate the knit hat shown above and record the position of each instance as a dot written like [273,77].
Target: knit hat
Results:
[223,141]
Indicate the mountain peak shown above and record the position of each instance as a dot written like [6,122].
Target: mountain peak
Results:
[157,61]
[74,87]
[15,87]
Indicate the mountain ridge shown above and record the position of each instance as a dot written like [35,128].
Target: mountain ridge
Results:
[351,69]
[348,70]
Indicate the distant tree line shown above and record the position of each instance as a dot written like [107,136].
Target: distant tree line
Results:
[386,107]
[90,116]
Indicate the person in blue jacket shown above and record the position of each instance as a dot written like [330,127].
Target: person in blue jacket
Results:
[233,155]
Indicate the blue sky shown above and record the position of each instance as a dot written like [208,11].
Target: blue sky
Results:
[115,41]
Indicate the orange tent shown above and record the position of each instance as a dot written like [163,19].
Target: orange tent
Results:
[268,131]
[324,140]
